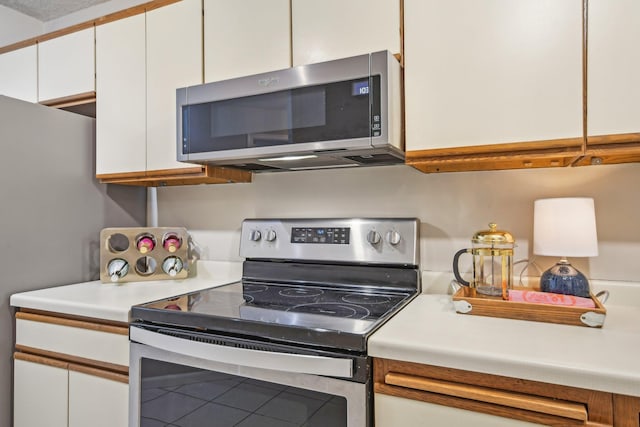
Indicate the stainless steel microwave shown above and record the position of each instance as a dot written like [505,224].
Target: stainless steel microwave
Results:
[341,113]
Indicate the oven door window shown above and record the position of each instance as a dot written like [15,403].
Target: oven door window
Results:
[177,395]
[327,112]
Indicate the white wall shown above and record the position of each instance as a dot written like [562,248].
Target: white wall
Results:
[451,208]
[15,26]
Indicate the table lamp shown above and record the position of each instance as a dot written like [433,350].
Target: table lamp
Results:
[565,227]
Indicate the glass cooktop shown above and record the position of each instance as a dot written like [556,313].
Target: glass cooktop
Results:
[309,314]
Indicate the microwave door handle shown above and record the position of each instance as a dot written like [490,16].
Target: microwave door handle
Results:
[284,362]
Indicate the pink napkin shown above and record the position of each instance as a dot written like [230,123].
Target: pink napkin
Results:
[550,298]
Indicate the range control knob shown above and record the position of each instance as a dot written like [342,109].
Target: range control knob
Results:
[393,237]
[373,237]
[271,236]
[255,235]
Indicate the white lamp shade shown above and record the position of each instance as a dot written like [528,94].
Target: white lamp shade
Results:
[565,227]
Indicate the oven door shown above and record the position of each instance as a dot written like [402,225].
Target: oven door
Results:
[179,382]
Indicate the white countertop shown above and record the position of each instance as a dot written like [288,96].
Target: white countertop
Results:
[109,301]
[429,331]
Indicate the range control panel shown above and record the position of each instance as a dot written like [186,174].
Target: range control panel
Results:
[321,235]
[352,240]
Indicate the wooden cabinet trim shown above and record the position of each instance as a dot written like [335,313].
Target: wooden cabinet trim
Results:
[599,404]
[490,395]
[70,101]
[187,176]
[96,372]
[136,10]
[567,147]
[40,360]
[615,141]
[74,323]
[524,155]
[68,358]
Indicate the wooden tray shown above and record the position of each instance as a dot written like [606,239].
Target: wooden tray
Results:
[467,301]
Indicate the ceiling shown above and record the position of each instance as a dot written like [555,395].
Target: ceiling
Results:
[46,10]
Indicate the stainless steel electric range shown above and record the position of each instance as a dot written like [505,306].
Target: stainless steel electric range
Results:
[285,346]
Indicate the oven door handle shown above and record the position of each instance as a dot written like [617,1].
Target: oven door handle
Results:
[284,362]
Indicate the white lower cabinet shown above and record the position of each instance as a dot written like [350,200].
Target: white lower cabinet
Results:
[392,411]
[39,395]
[70,372]
[96,401]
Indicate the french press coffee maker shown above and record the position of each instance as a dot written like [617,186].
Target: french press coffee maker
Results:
[492,252]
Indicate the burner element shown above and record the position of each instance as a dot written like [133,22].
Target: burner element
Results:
[254,289]
[366,299]
[333,309]
[301,292]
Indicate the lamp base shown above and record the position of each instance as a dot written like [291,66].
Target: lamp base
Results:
[563,278]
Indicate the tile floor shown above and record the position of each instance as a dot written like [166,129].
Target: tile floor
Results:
[214,399]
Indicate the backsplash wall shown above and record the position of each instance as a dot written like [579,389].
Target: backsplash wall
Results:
[450,206]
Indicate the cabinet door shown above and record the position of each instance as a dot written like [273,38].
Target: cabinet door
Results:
[613,88]
[492,72]
[97,401]
[331,29]
[174,59]
[66,65]
[392,411]
[244,38]
[626,411]
[40,394]
[19,74]
[121,96]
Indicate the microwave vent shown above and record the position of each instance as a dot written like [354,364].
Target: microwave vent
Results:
[375,159]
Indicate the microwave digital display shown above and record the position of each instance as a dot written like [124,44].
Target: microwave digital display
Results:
[360,88]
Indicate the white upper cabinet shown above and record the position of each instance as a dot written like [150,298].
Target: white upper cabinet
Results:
[245,37]
[481,72]
[174,59]
[66,65]
[332,29]
[19,74]
[613,88]
[121,96]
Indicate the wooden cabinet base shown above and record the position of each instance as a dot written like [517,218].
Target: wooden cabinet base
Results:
[525,155]
[626,411]
[532,401]
[186,176]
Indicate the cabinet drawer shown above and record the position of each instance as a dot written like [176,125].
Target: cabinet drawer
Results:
[73,340]
[514,398]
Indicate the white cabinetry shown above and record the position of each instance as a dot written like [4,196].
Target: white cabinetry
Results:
[66,65]
[244,38]
[69,372]
[613,86]
[19,74]
[484,73]
[332,29]
[97,401]
[392,411]
[121,101]
[174,59]
[39,394]
[408,393]
[141,60]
